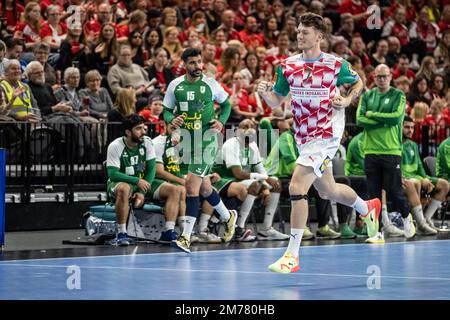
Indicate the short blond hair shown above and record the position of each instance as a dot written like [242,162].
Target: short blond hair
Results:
[419,111]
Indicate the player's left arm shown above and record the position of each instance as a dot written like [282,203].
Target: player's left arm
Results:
[348,75]
[221,97]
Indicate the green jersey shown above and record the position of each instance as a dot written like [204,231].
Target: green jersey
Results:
[169,155]
[130,161]
[412,166]
[282,157]
[354,163]
[443,160]
[195,101]
[234,154]
[381,115]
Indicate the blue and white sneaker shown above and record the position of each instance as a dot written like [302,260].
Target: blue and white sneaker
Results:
[168,236]
[123,240]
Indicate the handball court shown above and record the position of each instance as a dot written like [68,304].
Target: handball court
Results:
[329,269]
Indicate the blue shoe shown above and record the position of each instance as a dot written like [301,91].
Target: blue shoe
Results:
[123,240]
[168,236]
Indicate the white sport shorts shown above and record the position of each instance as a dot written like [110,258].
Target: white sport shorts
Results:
[318,154]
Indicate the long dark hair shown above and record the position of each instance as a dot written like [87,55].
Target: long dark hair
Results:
[16,12]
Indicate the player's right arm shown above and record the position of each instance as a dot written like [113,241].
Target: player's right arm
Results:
[274,94]
[169,104]
[113,166]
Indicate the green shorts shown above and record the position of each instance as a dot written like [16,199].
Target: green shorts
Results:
[153,193]
[202,158]
[219,185]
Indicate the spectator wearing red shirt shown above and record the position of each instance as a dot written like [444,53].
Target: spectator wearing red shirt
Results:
[402,69]
[54,30]
[92,28]
[152,112]
[240,103]
[228,21]
[425,30]
[137,22]
[197,24]
[397,27]
[47,3]
[410,10]
[281,50]
[28,30]
[444,24]
[250,35]
[358,9]
[419,113]
[10,12]
[230,63]
[437,121]
[159,72]
[358,48]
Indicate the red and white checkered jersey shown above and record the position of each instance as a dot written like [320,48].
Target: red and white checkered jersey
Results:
[312,84]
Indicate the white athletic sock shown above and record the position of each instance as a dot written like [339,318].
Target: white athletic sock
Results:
[384,215]
[418,214]
[295,241]
[122,228]
[432,207]
[181,222]
[203,222]
[222,211]
[189,226]
[170,225]
[270,210]
[244,211]
[360,206]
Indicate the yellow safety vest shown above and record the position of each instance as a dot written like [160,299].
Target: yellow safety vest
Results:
[22,104]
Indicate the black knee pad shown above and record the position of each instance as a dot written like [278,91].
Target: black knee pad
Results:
[297,197]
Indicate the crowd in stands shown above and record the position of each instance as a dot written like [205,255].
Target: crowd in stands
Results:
[98,61]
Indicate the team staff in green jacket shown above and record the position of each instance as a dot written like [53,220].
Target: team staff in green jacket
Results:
[380,112]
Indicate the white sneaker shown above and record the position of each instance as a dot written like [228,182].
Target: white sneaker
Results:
[409,227]
[272,234]
[392,231]
[377,239]
[431,224]
[208,237]
[426,230]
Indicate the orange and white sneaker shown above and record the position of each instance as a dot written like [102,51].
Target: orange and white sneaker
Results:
[372,217]
[286,264]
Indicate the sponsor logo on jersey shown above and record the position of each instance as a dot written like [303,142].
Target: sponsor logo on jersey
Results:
[141,151]
[311,93]
[202,89]
[324,164]
[180,88]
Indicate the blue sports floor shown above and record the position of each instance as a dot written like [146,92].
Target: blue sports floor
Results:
[407,270]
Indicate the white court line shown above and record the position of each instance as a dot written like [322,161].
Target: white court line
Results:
[227,250]
[223,271]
